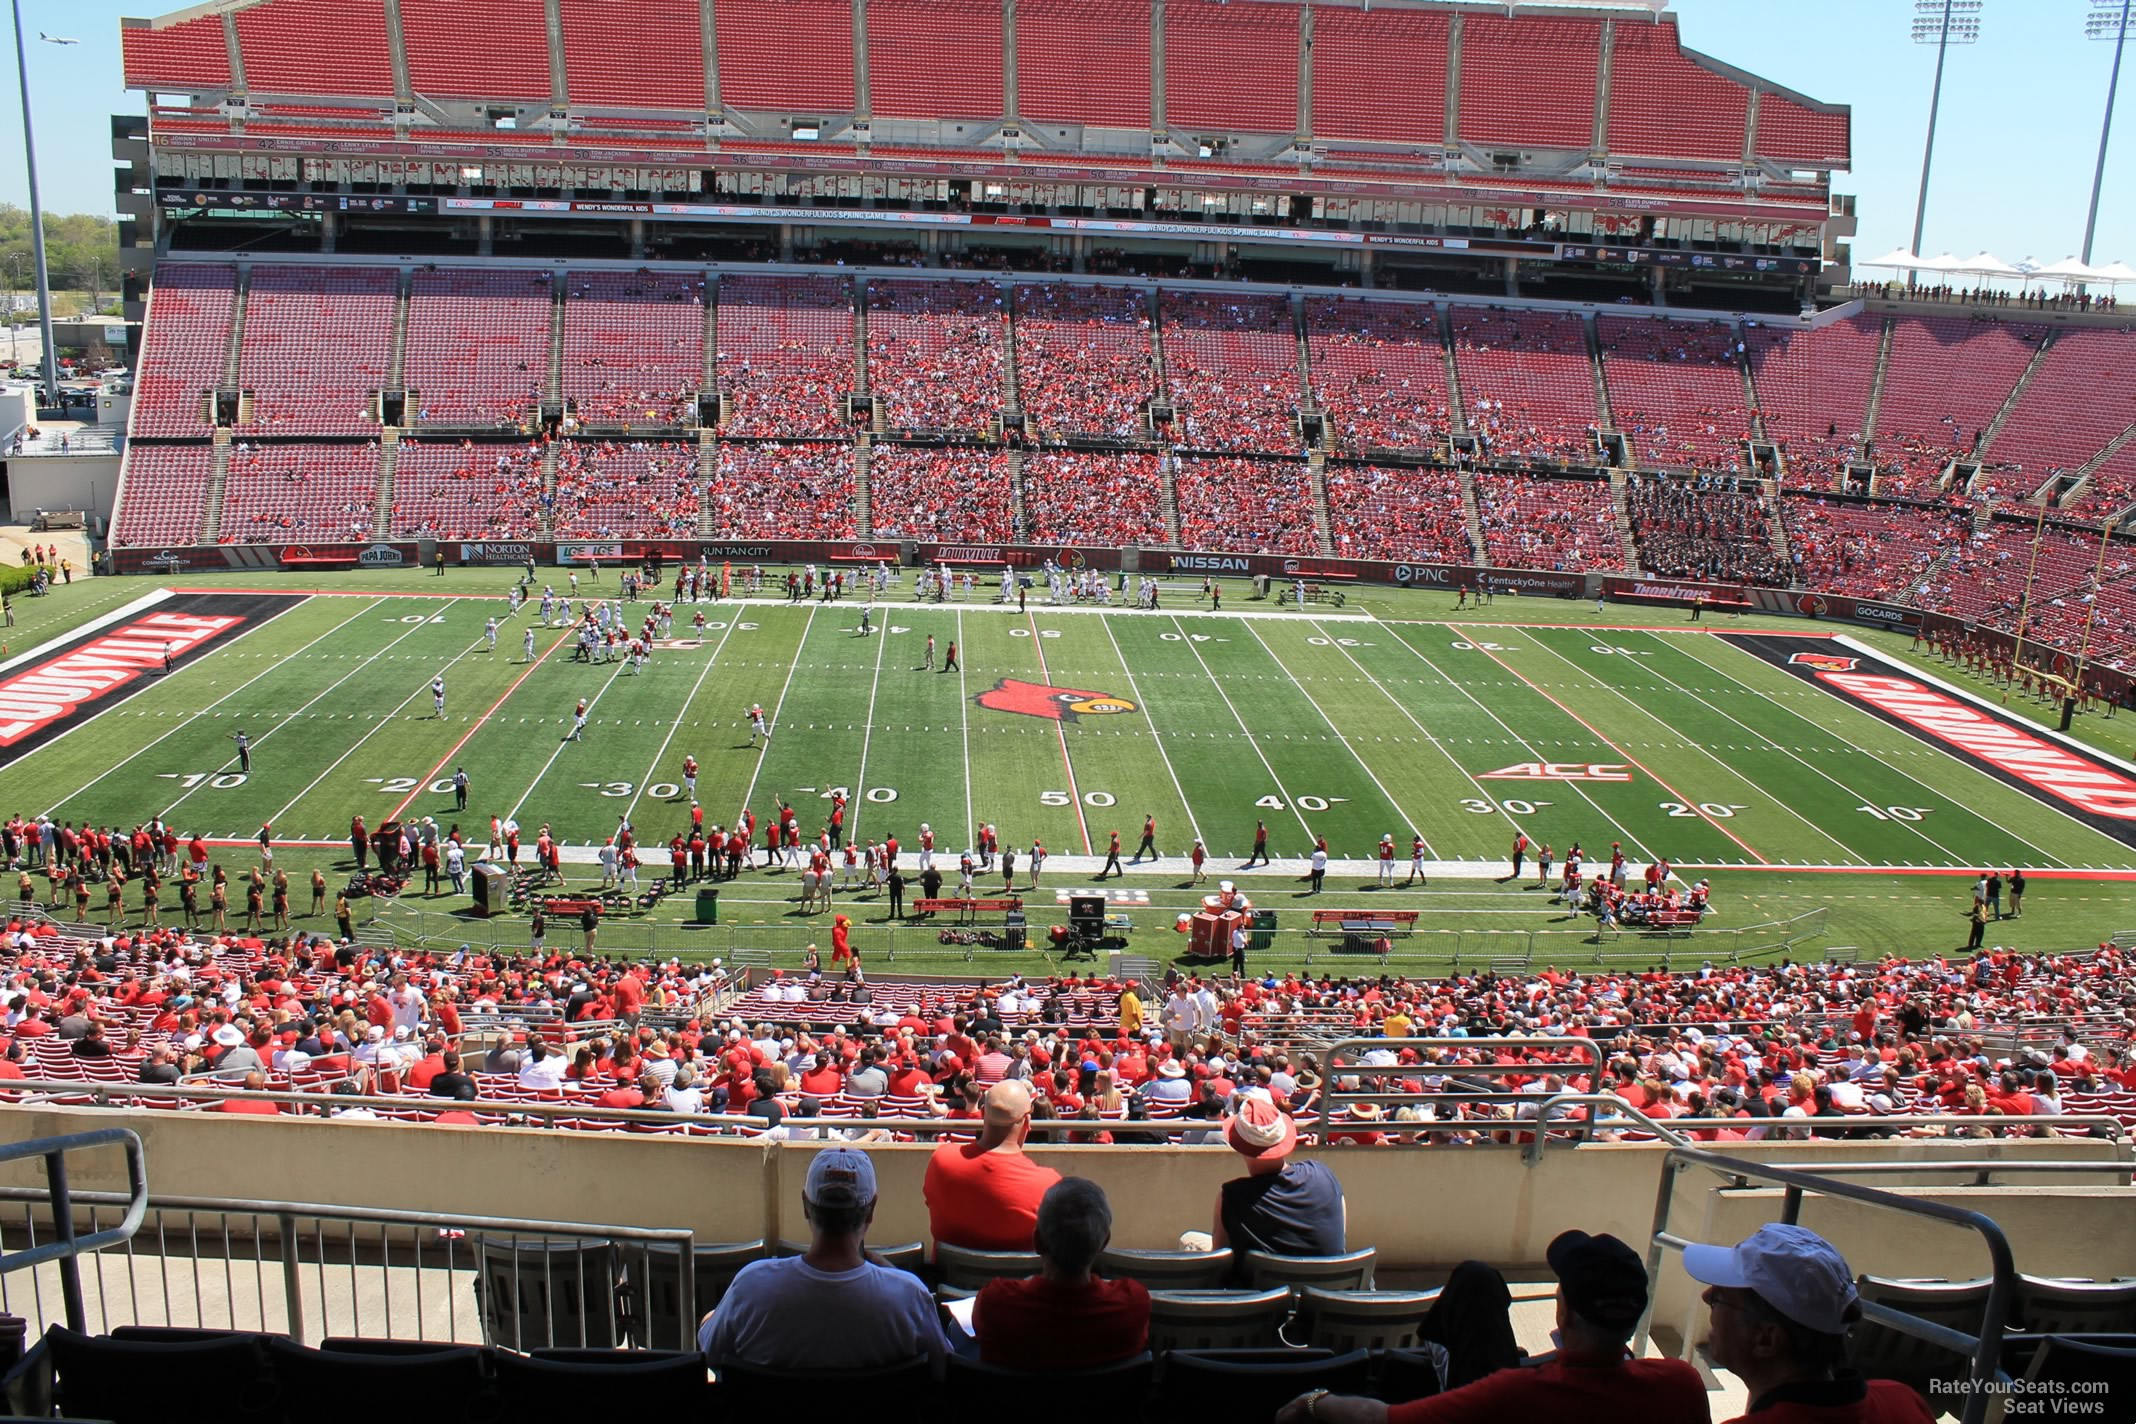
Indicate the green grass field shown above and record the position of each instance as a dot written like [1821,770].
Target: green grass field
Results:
[1394,715]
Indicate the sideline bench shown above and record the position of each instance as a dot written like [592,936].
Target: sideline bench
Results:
[1393,924]
[1670,924]
[573,905]
[1315,592]
[967,911]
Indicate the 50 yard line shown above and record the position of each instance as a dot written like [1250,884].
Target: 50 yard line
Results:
[1075,792]
[964,711]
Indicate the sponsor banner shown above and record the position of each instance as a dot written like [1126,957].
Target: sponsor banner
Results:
[1641,590]
[585,551]
[1834,605]
[493,553]
[1022,556]
[2095,789]
[66,683]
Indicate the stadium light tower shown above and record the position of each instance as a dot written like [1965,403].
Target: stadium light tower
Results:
[2106,22]
[1941,23]
[37,242]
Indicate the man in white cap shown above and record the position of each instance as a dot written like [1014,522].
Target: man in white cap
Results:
[832,1307]
[1782,1302]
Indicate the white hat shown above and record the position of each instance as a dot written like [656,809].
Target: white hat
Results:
[229,1036]
[376,1034]
[1795,1271]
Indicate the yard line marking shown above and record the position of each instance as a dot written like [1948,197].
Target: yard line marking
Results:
[1881,757]
[1075,792]
[964,710]
[381,721]
[780,706]
[1619,750]
[1288,799]
[527,672]
[1794,754]
[191,718]
[360,666]
[1523,743]
[1361,762]
[867,731]
[1783,803]
[562,742]
[1155,736]
[676,725]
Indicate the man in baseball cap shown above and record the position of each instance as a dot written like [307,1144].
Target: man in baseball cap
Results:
[1602,1292]
[830,1307]
[1782,1302]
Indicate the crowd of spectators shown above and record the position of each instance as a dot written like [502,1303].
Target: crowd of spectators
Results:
[1867,550]
[785,361]
[2031,299]
[1382,512]
[1528,384]
[782,490]
[936,352]
[1713,527]
[612,489]
[1566,525]
[634,347]
[1077,497]
[284,493]
[959,494]
[1378,373]
[461,490]
[1230,503]
[1231,367]
[1084,358]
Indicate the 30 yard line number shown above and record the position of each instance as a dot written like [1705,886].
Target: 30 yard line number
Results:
[1512,806]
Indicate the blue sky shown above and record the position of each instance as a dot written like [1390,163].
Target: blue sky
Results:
[2014,150]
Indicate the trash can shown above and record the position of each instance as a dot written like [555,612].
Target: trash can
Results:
[707,905]
[1262,934]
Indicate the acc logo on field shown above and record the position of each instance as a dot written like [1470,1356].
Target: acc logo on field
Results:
[1823,662]
[1058,704]
[1559,771]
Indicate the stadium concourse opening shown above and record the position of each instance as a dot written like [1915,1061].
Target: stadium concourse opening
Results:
[1064,642]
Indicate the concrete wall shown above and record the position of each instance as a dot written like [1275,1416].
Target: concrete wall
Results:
[63,482]
[1426,1208]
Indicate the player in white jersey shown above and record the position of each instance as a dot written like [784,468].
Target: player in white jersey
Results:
[489,632]
[437,694]
[526,645]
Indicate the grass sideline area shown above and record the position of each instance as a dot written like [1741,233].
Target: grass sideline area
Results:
[1395,715]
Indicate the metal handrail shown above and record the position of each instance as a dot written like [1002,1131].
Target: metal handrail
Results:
[288,1214]
[69,1248]
[1532,1153]
[1984,1350]
[1336,1067]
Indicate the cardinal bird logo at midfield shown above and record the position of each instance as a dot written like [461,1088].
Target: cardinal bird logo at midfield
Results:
[1823,662]
[1060,704]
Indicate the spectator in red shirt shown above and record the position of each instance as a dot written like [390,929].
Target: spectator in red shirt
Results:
[1065,1317]
[1782,1302]
[254,1082]
[1602,1291]
[985,1194]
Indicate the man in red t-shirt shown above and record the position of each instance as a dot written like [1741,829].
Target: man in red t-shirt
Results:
[985,1194]
[1602,1291]
[1065,1317]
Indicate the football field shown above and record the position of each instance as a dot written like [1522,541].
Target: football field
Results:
[1722,750]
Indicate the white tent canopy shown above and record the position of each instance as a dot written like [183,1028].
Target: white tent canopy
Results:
[2117,272]
[2069,269]
[1987,264]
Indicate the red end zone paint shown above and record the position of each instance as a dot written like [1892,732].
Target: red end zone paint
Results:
[2080,783]
[95,670]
